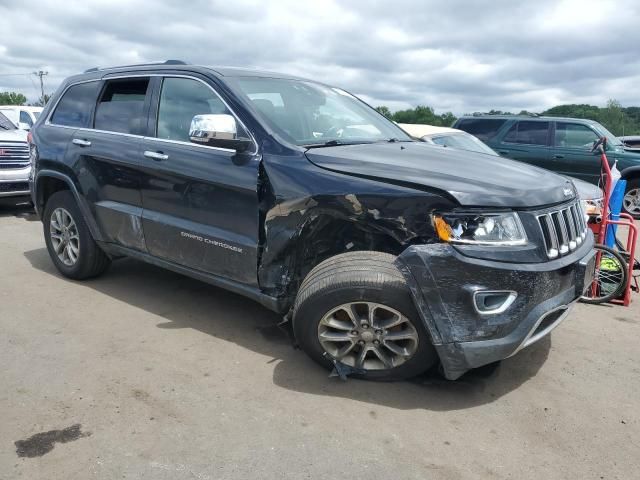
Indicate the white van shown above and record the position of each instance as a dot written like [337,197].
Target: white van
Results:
[22,116]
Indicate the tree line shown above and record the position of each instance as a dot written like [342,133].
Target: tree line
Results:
[15,98]
[617,119]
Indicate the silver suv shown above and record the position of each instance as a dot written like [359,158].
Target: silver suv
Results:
[14,160]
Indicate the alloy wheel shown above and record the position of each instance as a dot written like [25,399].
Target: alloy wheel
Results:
[631,201]
[370,336]
[65,238]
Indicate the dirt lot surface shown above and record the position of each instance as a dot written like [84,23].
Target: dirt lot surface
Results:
[147,374]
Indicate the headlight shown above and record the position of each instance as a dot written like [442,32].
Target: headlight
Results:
[480,228]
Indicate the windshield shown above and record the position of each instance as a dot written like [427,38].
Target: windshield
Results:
[5,123]
[462,141]
[611,138]
[311,114]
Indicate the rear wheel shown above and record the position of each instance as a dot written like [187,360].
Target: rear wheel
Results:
[631,200]
[69,242]
[356,309]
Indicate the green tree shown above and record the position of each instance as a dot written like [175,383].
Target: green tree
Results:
[12,98]
[384,111]
[42,101]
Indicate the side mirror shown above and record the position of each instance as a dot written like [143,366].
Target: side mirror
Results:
[217,130]
[24,126]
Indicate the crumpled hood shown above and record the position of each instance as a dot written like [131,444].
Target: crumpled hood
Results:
[473,179]
[13,135]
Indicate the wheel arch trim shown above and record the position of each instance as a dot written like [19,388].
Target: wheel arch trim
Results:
[83,205]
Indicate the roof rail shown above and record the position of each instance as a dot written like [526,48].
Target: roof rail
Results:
[166,62]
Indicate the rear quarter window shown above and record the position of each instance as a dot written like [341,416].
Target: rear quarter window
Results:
[76,105]
[482,128]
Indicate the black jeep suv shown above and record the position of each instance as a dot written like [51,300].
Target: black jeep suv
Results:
[386,254]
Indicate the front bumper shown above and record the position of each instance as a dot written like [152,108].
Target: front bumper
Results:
[444,283]
[14,181]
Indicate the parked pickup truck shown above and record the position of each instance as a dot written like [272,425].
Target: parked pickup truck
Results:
[386,254]
[15,166]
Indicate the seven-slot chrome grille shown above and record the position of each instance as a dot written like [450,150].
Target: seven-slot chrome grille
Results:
[14,152]
[563,229]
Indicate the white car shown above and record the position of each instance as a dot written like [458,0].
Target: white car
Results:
[590,195]
[15,166]
[22,116]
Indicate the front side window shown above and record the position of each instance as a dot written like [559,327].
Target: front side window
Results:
[121,106]
[483,128]
[76,105]
[181,99]
[528,133]
[574,135]
[25,118]
[308,113]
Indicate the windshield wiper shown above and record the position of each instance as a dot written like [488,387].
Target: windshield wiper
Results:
[332,143]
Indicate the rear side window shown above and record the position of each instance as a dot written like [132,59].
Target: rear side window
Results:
[121,106]
[483,128]
[76,105]
[528,133]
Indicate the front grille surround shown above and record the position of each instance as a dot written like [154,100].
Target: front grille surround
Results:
[563,229]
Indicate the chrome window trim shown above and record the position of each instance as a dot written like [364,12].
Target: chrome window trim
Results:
[162,75]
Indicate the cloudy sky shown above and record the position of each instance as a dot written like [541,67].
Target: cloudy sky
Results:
[459,56]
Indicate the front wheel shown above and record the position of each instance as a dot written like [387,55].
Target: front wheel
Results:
[631,200]
[356,309]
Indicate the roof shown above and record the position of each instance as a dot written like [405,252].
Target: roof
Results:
[528,117]
[224,71]
[419,130]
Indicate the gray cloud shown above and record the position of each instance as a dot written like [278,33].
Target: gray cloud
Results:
[460,56]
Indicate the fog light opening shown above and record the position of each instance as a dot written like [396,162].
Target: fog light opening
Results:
[492,302]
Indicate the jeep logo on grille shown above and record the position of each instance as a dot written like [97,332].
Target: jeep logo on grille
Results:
[567,192]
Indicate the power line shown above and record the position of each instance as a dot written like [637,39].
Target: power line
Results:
[14,74]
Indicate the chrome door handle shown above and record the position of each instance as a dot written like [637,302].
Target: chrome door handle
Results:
[558,156]
[81,142]
[156,155]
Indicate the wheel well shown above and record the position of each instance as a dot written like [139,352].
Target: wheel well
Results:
[333,237]
[47,186]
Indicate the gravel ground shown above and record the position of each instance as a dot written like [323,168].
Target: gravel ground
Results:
[147,374]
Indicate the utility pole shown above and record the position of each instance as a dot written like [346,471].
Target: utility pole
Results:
[41,74]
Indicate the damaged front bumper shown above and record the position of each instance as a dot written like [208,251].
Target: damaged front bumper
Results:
[479,311]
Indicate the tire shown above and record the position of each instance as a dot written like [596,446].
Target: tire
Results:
[618,277]
[89,260]
[631,201]
[365,295]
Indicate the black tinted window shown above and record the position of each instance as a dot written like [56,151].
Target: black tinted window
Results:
[181,100]
[483,128]
[121,106]
[528,133]
[76,105]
